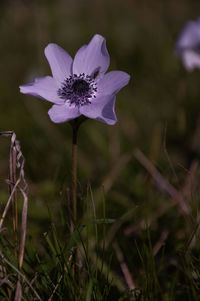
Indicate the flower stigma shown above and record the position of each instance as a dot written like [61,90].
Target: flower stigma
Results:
[78,90]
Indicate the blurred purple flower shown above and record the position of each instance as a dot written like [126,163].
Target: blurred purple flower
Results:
[79,87]
[188,45]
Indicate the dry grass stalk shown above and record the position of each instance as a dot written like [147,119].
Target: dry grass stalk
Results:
[16,183]
[162,182]
[26,290]
[161,242]
[12,178]
[20,274]
[18,293]
[124,267]
[59,280]
[115,171]
[191,181]
[189,186]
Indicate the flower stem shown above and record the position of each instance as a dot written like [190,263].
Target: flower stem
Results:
[75,126]
[74,170]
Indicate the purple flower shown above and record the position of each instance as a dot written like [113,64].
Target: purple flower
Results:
[79,86]
[188,45]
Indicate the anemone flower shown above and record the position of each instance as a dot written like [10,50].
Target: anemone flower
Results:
[80,86]
[188,45]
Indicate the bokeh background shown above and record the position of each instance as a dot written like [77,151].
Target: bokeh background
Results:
[158,112]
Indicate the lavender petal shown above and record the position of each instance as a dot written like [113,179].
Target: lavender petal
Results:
[112,82]
[44,87]
[59,60]
[191,60]
[92,58]
[189,37]
[188,45]
[102,109]
[63,113]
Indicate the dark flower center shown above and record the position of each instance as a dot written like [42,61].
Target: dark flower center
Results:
[78,90]
[80,87]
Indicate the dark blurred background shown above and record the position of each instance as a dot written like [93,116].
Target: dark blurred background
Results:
[159,107]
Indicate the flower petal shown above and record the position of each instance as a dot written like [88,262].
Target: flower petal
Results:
[189,37]
[112,82]
[102,109]
[59,60]
[188,45]
[191,60]
[63,113]
[44,87]
[92,58]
